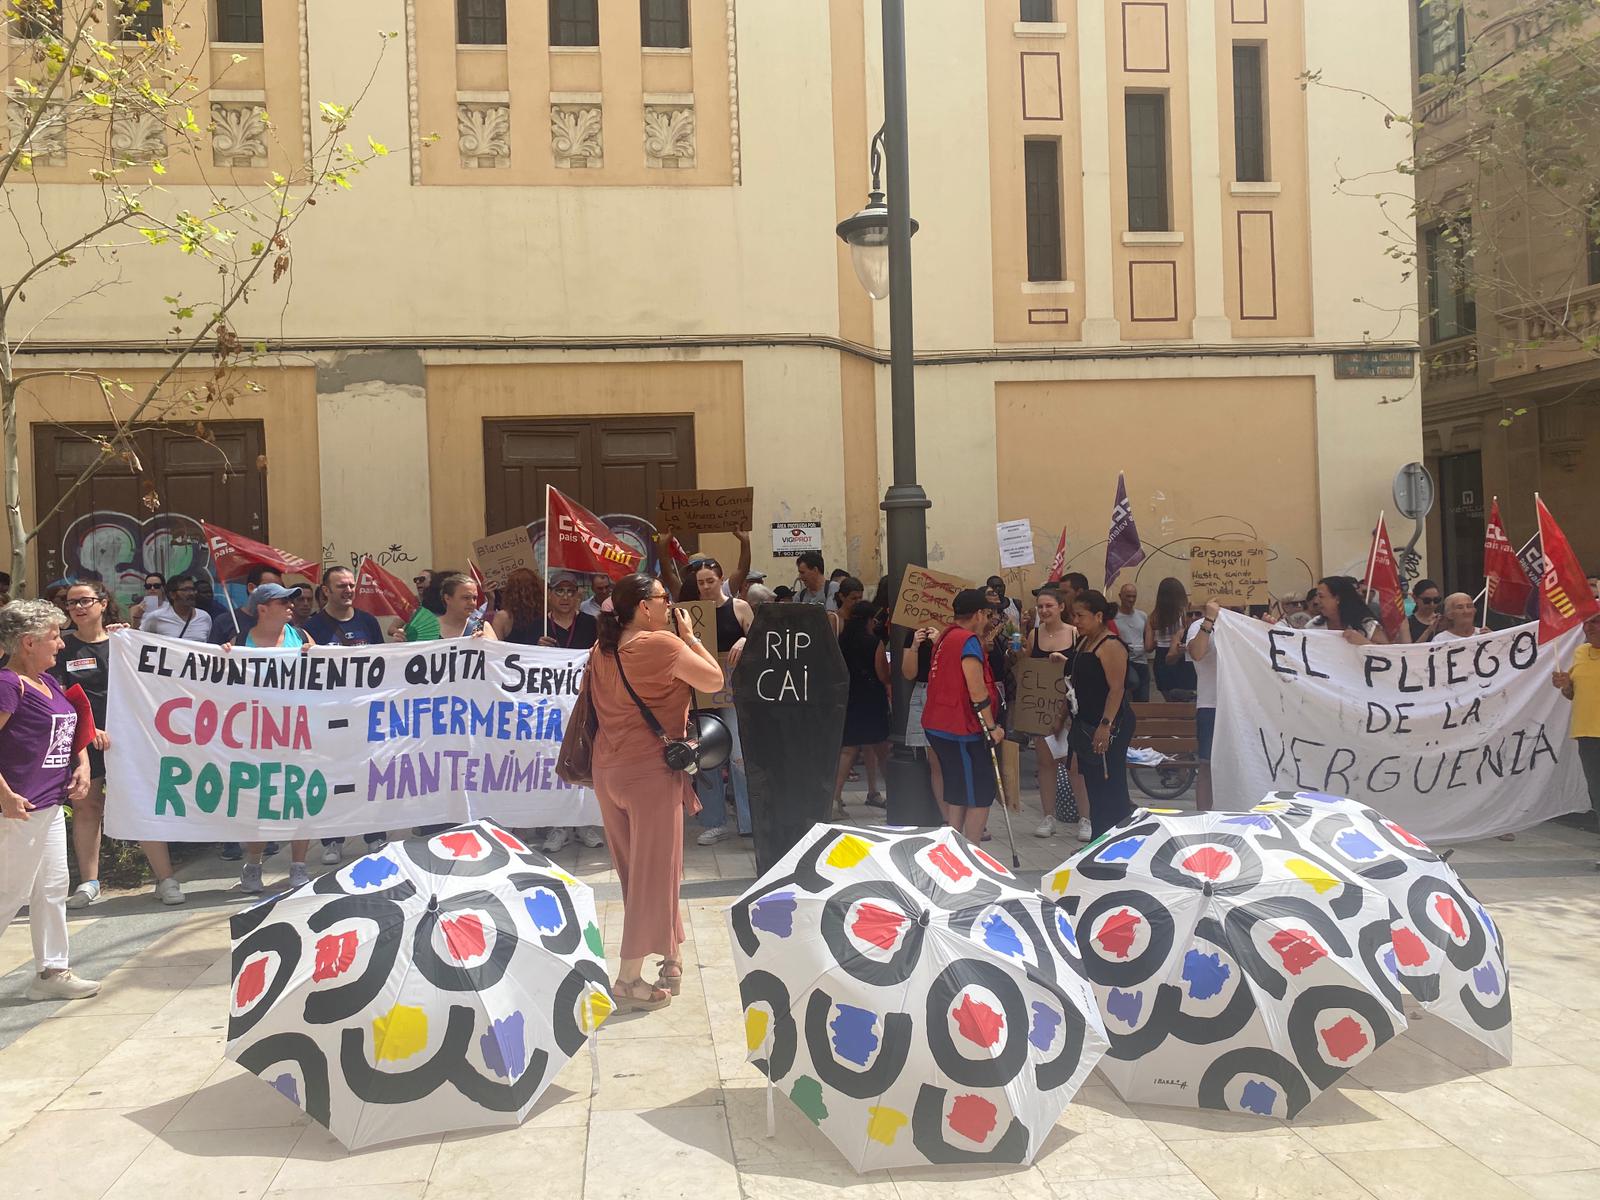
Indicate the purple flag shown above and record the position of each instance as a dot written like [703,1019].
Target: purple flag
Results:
[1122,543]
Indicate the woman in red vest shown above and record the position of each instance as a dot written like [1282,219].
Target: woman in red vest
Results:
[962,712]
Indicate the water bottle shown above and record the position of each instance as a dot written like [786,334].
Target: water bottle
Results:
[1016,641]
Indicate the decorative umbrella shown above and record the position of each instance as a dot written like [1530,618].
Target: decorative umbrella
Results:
[438,984]
[1236,967]
[1447,949]
[911,998]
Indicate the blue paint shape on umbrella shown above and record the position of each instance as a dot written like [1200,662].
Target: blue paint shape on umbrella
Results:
[289,1087]
[504,1048]
[545,909]
[372,870]
[853,1036]
[1205,974]
[1125,1006]
[1259,1098]
[1252,821]
[1355,845]
[1000,937]
[1486,979]
[774,913]
[1121,851]
[1065,926]
[1046,1021]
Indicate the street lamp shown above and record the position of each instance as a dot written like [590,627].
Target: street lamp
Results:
[867,232]
[879,237]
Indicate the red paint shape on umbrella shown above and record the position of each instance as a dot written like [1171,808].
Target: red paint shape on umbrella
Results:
[1208,861]
[1408,948]
[1451,916]
[973,1117]
[335,953]
[990,859]
[1297,948]
[878,926]
[462,845]
[505,839]
[1118,931]
[978,1023]
[1405,835]
[949,865]
[1345,1038]
[251,983]
[464,936]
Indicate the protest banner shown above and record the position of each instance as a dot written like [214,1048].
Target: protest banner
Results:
[269,745]
[707,510]
[703,616]
[926,598]
[1228,572]
[1016,543]
[1041,696]
[499,554]
[1453,740]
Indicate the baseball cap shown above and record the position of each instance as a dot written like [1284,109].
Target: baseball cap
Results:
[1053,588]
[270,591]
[969,601]
[756,576]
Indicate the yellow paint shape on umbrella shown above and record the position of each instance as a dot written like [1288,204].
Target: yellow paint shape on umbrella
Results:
[1311,873]
[756,1023]
[595,1010]
[884,1124]
[1059,881]
[848,851]
[399,1033]
[1165,812]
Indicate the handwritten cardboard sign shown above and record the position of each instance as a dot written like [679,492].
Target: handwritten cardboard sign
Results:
[499,554]
[926,598]
[713,510]
[1041,696]
[1228,572]
[703,615]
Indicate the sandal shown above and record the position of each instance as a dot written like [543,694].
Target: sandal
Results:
[626,992]
[670,977]
[876,800]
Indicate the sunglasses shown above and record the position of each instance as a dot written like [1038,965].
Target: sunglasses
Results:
[423,579]
[152,587]
[1427,599]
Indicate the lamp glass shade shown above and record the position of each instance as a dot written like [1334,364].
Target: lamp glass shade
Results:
[870,258]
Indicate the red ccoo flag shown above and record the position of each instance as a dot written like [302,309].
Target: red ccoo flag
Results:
[577,540]
[1564,597]
[233,554]
[1383,577]
[1508,584]
[381,594]
[1058,564]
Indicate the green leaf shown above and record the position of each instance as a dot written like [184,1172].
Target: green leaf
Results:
[378,147]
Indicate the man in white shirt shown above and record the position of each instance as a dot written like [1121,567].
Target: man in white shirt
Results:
[179,618]
[1198,646]
[600,592]
[1130,628]
[1460,619]
[809,567]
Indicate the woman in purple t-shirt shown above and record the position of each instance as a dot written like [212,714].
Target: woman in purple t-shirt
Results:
[39,771]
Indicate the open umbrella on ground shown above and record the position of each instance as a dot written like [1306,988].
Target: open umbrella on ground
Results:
[911,998]
[1447,949]
[435,985]
[1235,966]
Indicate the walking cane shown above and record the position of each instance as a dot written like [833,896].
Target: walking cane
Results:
[1000,792]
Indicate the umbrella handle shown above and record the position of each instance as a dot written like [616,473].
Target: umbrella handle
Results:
[772,1117]
[594,1066]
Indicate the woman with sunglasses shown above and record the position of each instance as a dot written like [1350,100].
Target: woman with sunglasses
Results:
[1428,618]
[155,596]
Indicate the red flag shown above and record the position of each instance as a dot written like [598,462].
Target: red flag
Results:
[1058,564]
[1383,577]
[577,540]
[1564,597]
[381,594]
[233,554]
[1508,584]
[679,554]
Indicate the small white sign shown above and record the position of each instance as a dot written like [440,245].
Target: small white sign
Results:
[1016,543]
[793,538]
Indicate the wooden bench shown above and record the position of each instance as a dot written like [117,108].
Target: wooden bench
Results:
[1169,729]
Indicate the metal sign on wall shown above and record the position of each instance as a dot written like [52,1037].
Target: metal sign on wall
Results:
[1374,364]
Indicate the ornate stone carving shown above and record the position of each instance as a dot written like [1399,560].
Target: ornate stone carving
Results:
[484,133]
[238,133]
[733,92]
[48,142]
[137,136]
[575,135]
[413,94]
[669,135]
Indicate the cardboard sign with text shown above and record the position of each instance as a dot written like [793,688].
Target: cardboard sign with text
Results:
[1041,696]
[499,554]
[1228,572]
[704,615]
[926,597]
[715,510]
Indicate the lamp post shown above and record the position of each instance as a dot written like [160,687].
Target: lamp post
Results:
[879,237]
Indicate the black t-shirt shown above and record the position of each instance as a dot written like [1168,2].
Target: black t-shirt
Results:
[924,655]
[362,629]
[87,664]
[582,634]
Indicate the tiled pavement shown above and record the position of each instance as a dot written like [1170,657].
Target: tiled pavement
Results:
[127,1095]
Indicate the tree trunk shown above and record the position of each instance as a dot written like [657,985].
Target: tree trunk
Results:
[19,536]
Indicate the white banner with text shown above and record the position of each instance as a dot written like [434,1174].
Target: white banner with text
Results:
[1453,740]
[253,745]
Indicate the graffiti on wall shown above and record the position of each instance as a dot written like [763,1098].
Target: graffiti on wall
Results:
[395,556]
[120,550]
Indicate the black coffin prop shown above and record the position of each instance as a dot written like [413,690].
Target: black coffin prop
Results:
[789,689]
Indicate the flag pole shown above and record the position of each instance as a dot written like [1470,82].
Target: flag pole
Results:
[545,615]
[1372,555]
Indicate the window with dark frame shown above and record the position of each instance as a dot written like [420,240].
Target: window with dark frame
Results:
[1441,39]
[239,21]
[1452,311]
[138,20]
[1592,241]
[574,22]
[36,20]
[1041,160]
[1039,10]
[1249,115]
[664,24]
[1146,116]
[480,22]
